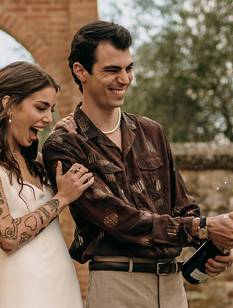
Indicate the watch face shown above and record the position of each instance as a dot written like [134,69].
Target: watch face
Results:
[202,233]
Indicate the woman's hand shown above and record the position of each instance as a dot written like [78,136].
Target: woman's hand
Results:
[73,183]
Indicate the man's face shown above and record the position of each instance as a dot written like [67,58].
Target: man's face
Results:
[111,76]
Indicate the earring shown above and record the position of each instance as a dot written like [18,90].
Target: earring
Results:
[10,117]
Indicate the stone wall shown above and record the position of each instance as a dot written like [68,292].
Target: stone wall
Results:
[208,173]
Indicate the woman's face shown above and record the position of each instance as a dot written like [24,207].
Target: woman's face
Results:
[33,114]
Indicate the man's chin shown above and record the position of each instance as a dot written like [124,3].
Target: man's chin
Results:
[119,103]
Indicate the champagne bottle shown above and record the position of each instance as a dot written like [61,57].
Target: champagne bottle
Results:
[193,269]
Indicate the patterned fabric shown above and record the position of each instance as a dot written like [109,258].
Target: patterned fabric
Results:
[138,205]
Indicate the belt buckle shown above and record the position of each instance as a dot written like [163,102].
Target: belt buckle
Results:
[162,263]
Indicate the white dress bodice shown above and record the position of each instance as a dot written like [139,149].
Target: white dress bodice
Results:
[40,274]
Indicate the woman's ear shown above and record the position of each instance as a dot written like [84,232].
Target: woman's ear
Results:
[5,101]
[79,71]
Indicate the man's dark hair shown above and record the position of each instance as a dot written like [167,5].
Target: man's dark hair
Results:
[86,40]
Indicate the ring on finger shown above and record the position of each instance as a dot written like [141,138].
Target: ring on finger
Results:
[74,170]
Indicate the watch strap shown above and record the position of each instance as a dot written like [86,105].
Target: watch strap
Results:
[202,223]
[202,229]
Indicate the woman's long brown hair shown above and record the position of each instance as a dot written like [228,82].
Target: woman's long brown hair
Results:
[19,80]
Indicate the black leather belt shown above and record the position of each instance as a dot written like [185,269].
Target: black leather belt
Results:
[158,268]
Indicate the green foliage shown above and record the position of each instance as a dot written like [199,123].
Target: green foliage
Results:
[184,74]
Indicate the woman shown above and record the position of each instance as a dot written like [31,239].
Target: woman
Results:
[36,270]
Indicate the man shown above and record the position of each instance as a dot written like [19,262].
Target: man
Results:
[132,222]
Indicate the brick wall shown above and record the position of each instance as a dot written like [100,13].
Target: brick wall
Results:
[46,28]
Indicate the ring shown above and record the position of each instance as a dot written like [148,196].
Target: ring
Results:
[74,170]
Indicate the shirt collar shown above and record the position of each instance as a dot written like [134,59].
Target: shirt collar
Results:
[91,131]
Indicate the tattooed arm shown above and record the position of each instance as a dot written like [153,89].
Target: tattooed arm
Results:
[16,232]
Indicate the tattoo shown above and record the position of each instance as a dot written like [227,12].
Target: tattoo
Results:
[10,232]
[24,238]
[18,221]
[16,232]
[54,203]
[31,222]
[44,211]
[40,216]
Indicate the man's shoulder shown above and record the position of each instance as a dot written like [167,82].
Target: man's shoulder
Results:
[61,135]
[61,140]
[56,136]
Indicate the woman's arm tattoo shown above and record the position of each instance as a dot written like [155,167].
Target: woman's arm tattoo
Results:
[16,232]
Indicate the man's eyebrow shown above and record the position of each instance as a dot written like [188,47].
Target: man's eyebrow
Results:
[117,66]
[130,65]
[112,67]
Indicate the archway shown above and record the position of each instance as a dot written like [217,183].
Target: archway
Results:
[11,50]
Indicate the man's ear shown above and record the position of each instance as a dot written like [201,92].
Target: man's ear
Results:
[5,101]
[79,71]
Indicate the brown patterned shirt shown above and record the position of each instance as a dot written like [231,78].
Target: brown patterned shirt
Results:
[138,205]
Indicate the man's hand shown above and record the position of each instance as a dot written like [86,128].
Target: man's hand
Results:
[68,123]
[220,230]
[219,264]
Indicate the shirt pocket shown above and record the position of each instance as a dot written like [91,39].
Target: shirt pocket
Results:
[150,163]
[151,170]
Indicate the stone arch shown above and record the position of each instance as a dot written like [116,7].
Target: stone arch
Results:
[45,29]
[22,32]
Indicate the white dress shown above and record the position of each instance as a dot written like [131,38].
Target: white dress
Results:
[41,273]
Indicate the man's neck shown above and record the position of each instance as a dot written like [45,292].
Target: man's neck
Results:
[104,119]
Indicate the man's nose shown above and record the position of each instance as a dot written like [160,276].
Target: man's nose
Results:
[124,77]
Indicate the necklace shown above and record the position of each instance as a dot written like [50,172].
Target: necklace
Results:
[116,126]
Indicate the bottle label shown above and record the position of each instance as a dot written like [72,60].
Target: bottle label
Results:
[200,276]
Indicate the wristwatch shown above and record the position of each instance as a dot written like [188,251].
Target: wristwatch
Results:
[202,229]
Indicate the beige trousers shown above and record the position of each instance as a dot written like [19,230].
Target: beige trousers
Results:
[112,289]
